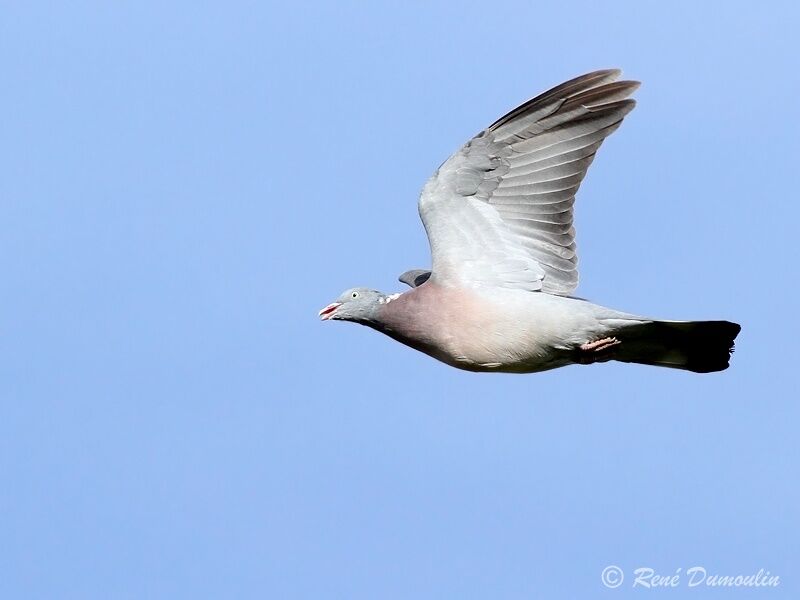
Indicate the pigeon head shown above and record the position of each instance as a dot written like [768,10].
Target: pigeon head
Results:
[356,304]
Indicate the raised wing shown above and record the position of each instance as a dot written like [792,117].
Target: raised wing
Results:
[499,211]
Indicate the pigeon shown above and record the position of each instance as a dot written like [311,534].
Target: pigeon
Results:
[498,214]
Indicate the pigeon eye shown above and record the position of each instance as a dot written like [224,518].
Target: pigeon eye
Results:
[355,294]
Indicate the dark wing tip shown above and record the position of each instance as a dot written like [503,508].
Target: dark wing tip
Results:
[415,277]
[565,90]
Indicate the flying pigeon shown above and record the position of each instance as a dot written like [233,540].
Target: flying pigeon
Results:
[498,214]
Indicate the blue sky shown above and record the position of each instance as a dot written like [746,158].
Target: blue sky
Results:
[184,186]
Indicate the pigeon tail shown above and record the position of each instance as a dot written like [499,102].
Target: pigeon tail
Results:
[699,346]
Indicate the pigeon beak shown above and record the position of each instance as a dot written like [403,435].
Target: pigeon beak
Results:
[327,312]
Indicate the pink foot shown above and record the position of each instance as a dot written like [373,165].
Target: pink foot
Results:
[597,351]
[600,345]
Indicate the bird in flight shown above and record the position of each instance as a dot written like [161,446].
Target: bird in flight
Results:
[498,214]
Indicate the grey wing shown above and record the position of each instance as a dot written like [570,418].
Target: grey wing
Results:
[415,277]
[499,211]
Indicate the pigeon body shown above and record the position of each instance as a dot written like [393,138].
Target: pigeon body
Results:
[498,214]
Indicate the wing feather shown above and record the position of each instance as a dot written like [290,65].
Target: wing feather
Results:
[499,211]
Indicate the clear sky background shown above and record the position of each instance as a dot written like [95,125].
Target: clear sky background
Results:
[184,186]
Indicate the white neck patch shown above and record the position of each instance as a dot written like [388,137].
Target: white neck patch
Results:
[387,299]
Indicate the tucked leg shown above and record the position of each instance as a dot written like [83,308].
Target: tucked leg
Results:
[600,345]
[596,351]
